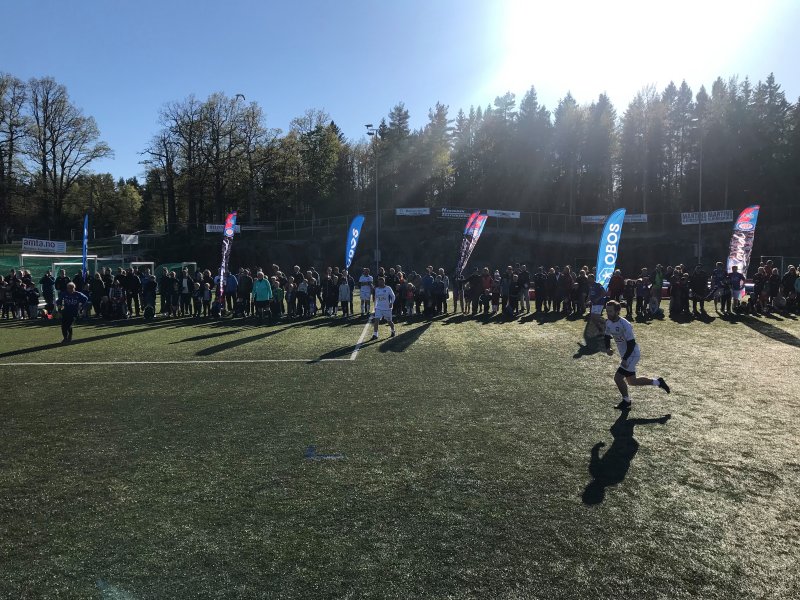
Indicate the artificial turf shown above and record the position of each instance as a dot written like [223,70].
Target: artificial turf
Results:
[463,458]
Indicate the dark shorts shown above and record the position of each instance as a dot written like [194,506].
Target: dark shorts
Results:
[626,373]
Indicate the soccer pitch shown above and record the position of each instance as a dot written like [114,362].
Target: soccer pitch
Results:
[461,459]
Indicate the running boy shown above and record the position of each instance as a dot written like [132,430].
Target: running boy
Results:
[622,331]
[384,299]
[71,303]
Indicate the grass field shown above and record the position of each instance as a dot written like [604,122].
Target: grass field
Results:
[461,459]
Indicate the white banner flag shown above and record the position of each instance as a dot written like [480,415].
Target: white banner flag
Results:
[34,245]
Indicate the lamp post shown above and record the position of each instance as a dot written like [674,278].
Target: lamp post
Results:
[371,131]
[700,197]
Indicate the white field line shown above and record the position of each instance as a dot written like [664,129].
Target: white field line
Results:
[360,341]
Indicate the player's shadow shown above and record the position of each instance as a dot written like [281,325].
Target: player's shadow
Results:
[769,330]
[237,342]
[611,468]
[400,343]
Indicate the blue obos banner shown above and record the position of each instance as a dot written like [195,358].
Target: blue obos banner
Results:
[744,232]
[609,247]
[352,240]
[85,244]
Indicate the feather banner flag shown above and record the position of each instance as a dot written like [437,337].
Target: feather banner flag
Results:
[472,232]
[608,249]
[741,246]
[227,243]
[352,240]
[85,245]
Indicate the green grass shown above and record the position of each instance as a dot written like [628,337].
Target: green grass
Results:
[466,472]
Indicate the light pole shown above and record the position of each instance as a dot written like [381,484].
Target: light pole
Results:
[700,197]
[371,131]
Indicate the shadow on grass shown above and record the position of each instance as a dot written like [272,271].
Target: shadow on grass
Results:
[769,330]
[238,342]
[344,351]
[612,467]
[78,340]
[401,342]
[207,336]
[548,317]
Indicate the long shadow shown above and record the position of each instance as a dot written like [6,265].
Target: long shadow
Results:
[77,340]
[207,336]
[401,342]
[344,351]
[548,317]
[454,319]
[612,467]
[238,342]
[769,330]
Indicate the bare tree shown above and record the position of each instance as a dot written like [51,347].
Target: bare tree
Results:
[13,125]
[61,141]
[161,156]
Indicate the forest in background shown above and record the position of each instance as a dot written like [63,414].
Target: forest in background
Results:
[209,156]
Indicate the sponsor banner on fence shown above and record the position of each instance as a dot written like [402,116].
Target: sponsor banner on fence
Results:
[44,246]
[600,219]
[503,214]
[130,240]
[454,213]
[412,212]
[214,228]
[709,216]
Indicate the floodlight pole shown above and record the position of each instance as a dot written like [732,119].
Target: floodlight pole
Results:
[371,131]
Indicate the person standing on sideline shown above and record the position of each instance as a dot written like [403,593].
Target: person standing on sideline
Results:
[622,332]
[71,303]
[365,288]
[384,300]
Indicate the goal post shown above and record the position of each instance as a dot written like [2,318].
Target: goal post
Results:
[39,264]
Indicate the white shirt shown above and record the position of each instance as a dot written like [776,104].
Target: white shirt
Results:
[622,332]
[365,281]
[384,298]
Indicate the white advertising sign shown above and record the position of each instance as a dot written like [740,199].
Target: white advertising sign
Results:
[600,219]
[216,228]
[709,216]
[130,240]
[412,212]
[34,245]
[454,213]
[503,214]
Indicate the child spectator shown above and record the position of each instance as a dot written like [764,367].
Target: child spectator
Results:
[197,300]
[628,293]
[344,296]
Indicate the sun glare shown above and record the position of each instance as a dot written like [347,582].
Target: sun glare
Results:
[590,47]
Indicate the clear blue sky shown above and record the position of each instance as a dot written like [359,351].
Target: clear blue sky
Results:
[122,60]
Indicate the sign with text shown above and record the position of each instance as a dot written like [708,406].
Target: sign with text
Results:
[454,213]
[709,216]
[503,214]
[130,240]
[600,219]
[412,212]
[34,245]
[215,228]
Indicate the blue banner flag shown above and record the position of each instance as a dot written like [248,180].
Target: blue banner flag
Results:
[85,244]
[352,240]
[609,247]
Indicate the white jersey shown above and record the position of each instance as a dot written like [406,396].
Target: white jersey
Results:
[384,298]
[622,332]
[365,283]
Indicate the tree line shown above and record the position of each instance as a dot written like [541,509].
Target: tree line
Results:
[738,144]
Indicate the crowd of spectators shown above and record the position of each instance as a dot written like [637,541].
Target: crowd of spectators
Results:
[272,294]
